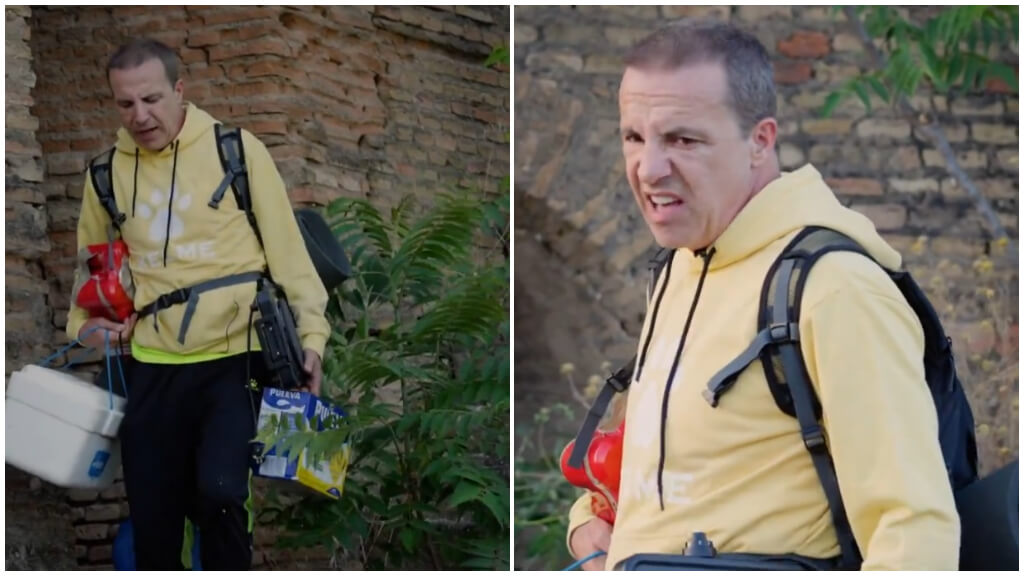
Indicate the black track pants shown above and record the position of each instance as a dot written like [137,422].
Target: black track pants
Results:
[185,447]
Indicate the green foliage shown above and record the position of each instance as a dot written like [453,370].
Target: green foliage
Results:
[499,55]
[542,495]
[419,359]
[947,52]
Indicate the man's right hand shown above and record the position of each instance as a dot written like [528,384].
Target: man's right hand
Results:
[590,537]
[102,326]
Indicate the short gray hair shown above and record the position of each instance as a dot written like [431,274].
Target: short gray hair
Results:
[747,65]
[135,53]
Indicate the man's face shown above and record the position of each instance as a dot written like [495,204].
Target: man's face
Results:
[687,161]
[149,105]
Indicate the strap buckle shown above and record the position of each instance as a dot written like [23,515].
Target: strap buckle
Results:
[173,297]
[814,438]
[783,332]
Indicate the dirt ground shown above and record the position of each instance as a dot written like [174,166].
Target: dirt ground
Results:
[33,508]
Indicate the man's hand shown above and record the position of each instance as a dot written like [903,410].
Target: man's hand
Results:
[313,368]
[589,538]
[102,327]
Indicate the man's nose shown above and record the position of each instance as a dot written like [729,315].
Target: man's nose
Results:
[139,114]
[654,165]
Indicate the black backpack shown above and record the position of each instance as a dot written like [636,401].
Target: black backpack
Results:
[777,346]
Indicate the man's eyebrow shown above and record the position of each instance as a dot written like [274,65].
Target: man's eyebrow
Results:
[688,132]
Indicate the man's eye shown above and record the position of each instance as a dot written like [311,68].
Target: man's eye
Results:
[684,140]
[632,137]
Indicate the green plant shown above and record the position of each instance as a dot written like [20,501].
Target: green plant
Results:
[420,362]
[948,52]
[942,56]
[542,494]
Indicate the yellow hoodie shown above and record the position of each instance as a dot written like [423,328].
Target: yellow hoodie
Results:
[199,243]
[740,472]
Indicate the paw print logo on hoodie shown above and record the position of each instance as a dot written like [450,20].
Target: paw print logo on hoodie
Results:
[156,211]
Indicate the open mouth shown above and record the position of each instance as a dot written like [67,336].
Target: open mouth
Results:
[146,132]
[663,201]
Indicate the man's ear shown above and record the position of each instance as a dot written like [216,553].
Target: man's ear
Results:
[179,90]
[762,141]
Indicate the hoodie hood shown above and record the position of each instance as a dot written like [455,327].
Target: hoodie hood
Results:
[197,123]
[793,201]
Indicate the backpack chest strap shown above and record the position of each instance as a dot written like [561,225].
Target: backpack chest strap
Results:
[190,296]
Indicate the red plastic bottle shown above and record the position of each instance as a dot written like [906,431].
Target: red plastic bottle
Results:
[601,471]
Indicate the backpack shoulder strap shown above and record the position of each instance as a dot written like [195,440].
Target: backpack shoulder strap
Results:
[777,344]
[101,174]
[232,159]
[621,379]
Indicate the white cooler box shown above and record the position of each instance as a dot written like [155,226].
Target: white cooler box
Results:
[62,429]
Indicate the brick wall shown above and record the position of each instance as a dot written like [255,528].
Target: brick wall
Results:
[572,198]
[27,316]
[372,102]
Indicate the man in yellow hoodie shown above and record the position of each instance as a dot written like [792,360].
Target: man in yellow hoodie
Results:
[191,408]
[697,106]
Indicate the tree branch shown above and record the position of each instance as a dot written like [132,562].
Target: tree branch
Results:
[938,137]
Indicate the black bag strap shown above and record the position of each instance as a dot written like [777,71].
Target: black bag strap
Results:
[777,344]
[190,295]
[236,175]
[101,174]
[808,409]
[621,379]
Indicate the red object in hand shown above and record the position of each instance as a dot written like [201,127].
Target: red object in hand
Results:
[601,471]
[105,287]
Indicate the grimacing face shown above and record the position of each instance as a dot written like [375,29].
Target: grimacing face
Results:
[689,164]
[149,106]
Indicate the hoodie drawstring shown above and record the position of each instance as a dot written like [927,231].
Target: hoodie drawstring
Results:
[135,181]
[706,255]
[654,314]
[170,201]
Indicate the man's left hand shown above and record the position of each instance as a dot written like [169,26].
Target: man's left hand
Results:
[314,370]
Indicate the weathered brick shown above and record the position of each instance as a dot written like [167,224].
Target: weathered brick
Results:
[1008,159]
[967,159]
[822,14]
[602,64]
[997,187]
[91,532]
[269,45]
[969,107]
[856,186]
[913,186]
[884,128]
[954,132]
[762,13]
[555,60]
[790,156]
[789,72]
[834,74]
[884,216]
[845,42]
[625,37]
[100,553]
[805,45]
[102,512]
[83,495]
[994,133]
[826,126]
[525,34]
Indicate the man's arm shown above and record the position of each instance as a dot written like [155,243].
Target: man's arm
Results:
[287,258]
[864,349]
